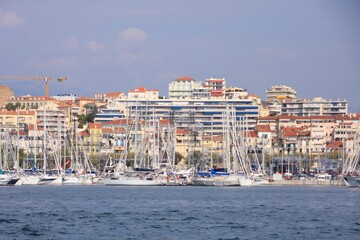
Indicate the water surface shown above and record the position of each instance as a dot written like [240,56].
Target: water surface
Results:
[100,212]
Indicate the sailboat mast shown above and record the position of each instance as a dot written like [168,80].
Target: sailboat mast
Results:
[17,144]
[44,143]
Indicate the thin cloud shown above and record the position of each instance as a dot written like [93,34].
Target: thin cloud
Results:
[132,35]
[94,46]
[9,19]
[71,43]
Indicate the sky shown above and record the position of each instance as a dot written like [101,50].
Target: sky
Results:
[312,46]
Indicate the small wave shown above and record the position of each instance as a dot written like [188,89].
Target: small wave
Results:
[105,214]
[156,226]
[238,227]
[28,230]
[236,238]
[174,211]
[2,220]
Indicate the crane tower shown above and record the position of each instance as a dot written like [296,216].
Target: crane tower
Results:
[45,79]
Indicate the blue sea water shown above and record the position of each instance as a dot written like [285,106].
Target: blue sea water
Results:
[100,212]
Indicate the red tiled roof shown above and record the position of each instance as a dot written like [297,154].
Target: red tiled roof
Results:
[290,132]
[85,99]
[250,134]
[84,133]
[334,144]
[304,133]
[184,78]
[164,121]
[107,130]
[140,89]
[95,125]
[182,132]
[122,121]
[262,128]
[294,131]
[114,94]
[217,93]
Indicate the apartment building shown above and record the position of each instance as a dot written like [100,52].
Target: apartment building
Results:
[314,107]
[143,93]
[31,102]
[208,113]
[216,87]
[276,95]
[280,92]
[312,135]
[54,120]
[109,97]
[18,118]
[182,87]
[93,138]
[235,92]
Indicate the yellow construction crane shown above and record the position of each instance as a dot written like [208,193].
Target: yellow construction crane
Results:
[45,79]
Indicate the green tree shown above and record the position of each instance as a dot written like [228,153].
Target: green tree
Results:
[12,106]
[82,120]
[22,156]
[91,110]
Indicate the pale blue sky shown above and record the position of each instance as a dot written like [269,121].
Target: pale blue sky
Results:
[103,46]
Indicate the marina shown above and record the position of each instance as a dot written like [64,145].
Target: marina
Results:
[147,154]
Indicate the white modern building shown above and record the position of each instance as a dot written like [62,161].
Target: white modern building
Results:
[208,114]
[183,87]
[314,107]
[276,95]
[280,92]
[55,121]
[65,97]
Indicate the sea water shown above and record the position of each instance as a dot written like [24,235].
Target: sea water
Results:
[101,212]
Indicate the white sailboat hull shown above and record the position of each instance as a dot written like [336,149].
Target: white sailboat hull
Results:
[29,180]
[49,180]
[226,181]
[5,179]
[132,182]
[246,182]
[203,182]
[74,180]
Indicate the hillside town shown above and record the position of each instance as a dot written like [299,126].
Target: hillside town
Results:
[200,125]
